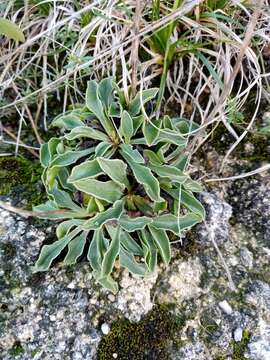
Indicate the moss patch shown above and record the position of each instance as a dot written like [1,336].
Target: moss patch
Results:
[148,339]
[21,180]
[16,350]
[222,140]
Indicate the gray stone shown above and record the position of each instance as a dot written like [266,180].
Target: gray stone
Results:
[259,346]
[218,213]
[193,351]
[259,295]
[251,203]
[58,314]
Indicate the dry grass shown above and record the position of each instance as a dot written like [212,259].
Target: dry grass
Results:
[69,42]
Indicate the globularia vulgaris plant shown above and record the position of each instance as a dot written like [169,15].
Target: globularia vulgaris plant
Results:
[117,180]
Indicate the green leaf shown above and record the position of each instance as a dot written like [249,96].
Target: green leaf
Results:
[50,252]
[145,177]
[135,104]
[92,205]
[75,249]
[132,154]
[137,122]
[107,282]
[115,169]
[192,185]
[167,122]
[67,122]
[52,211]
[142,204]
[88,169]
[111,254]
[126,241]
[150,250]
[65,226]
[95,105]
[171,172]
[170,137]
[105,90]
[86,132]
[45,156]
[102,149]
[70,157]
[211,69]
[132,224]
[150,132]
[63,199]
[160,206]
[47,151]
[112,213]
[11,30]
[162,242]
[175,224]
[94,254]
[126,126]
[181,162]
[128,261]
[105,190]
[152,157]
[188,200]
[63,175]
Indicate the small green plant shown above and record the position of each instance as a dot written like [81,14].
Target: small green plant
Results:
[118,180]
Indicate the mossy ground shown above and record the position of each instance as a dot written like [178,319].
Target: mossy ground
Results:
[222,140]
[16,350]
[239,348]
[148,339]
[20,179]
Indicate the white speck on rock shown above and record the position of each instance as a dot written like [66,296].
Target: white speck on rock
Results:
[114,355]
[111,297]
[225,307]
[105,328]
[238,333]
[71,285]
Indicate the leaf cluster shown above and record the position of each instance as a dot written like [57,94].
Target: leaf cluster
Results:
[117,179]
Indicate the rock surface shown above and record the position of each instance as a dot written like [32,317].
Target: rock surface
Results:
[63,314]
[251,203]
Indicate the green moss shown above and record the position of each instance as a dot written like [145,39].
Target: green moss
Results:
[222,140]
[219,357]
[190,246]
[16,350]
[20,179]
[148,339]
[239,348]
[8,249]
[34,352]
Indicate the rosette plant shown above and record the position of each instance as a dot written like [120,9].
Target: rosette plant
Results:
[117,180]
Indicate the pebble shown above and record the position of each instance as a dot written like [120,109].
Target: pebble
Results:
[238,333]
[226,307]
[105,328]
[111,297]
[246,257]
[114,355]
